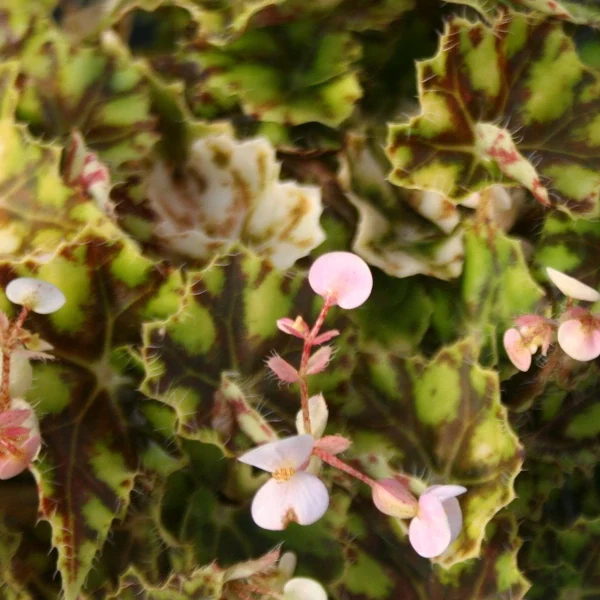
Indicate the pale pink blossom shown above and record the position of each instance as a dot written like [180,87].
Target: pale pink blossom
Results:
[291,495]
[533,332]
[20,440]
[303,588]
[343,277]
[39,296]
[438,521]
[579,335]
[571,287]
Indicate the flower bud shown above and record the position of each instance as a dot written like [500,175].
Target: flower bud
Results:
[394,499]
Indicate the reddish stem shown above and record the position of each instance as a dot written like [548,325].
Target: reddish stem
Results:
[6,354]
[303,375]
[334,461]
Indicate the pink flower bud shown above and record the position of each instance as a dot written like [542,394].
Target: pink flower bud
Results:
[298,328]
[343,277]
[394,499]
[334,444]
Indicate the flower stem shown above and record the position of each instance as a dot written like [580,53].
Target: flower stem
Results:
[7,349]
[332,460]
[303,375]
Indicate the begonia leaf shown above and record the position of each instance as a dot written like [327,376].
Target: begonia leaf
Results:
[87,467]
[226,323]
[495,100]
[259,70]
[97,89]
[442,417]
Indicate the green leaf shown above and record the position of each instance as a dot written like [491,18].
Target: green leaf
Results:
[97,89]
[390,235]
[442,417]
[87,468]
[575,11]
[510,103]
[260,70]
[494,575]
[226,324]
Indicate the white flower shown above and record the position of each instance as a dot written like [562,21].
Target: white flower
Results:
[571,287]
[302,588]
[39,296]
[291,495]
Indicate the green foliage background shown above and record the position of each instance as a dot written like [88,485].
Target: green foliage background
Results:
[160,378]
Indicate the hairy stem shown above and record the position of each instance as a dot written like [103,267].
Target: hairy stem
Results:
[303,375]
[332,460]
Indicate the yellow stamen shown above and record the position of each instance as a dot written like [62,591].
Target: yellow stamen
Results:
[284,474]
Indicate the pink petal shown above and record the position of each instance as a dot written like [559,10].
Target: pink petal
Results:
[454,515]
[571,287]
[13,417]
[334,444]
[429,532]
[13,465]
[529,321]
[302,499]
[517,352]
[443,492]
[298,328]
[394,499]
[282,369]
[325,337]
[290,452]
[319,360]
[579,341]
[302,588]
[343,276]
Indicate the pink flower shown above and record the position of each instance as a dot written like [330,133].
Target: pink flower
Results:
[531,333]
[291,495]
[342,277]
[579,335]
[20,440]
[438,521]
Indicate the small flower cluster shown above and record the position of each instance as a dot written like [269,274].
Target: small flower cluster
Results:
[20,440]
[578,329]
[295,492]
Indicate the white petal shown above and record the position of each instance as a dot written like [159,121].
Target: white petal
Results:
[290,452]
[39,296]
[302,588]
[302,499]
[287,565]
[21,374]
[317,409]
[443,492]
[571,287]
[454,514]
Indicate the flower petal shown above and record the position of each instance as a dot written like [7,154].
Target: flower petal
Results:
[443,492]
[302,588]
[290,452]
[318,412]
[302,499]
[319,360]
[429,532]
[571,287]
[578,341]
[334,444]
[298,328]
[519,355]
[454,515]
[282,369]
[342,275]
[39,296]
